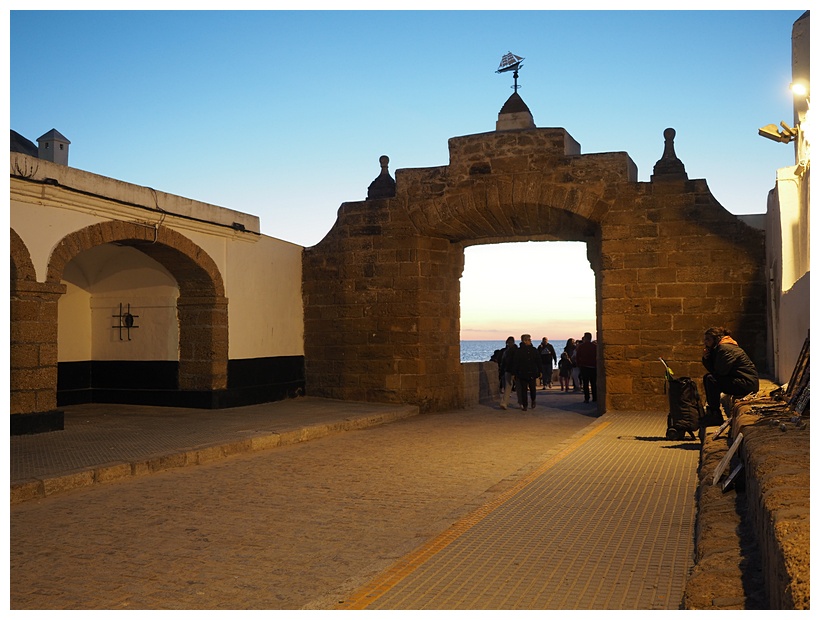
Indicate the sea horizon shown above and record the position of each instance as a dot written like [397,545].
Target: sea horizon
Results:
[482,350]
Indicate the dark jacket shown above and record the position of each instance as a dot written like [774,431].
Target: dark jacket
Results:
[586,354]
[727,359]
[527,362]
[508,359]
[547,352]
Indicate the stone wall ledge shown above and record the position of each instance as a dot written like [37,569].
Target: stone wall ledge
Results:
[752,540]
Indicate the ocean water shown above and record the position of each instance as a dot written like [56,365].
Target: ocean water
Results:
[481,350]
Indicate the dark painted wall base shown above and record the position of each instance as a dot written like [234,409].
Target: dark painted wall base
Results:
[31,423]
[250,381]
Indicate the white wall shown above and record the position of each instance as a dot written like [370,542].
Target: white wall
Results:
[788,263]
[262,275]
[264,290]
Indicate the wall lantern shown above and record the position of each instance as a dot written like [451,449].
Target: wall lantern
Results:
[126,321]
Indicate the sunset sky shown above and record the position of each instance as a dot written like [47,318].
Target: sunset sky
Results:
[284,114]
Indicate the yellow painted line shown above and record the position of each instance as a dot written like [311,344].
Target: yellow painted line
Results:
[382,584]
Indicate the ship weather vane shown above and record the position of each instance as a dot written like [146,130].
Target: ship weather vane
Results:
[511,62]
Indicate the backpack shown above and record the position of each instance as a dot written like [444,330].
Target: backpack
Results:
[685,408]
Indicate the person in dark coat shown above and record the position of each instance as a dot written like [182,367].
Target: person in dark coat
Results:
[506,370]
[548,358]
[527,368]
[586,357]
[730,369]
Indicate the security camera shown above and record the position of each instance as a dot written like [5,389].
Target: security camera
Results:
[771,132]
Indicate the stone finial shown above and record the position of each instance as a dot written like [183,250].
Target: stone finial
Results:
[669,167]
[384,186]
[514,115]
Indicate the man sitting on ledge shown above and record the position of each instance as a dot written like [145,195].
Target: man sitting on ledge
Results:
[730,371]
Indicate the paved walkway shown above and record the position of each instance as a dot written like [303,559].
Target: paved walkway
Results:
[102,443]
[606,523]
[603,521]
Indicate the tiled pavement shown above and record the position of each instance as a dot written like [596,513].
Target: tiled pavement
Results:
[606,522]
[101,442]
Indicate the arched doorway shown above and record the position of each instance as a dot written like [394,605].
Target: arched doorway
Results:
[200,310]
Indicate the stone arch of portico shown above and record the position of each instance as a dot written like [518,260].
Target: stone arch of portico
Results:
[515,208]
[201,307]
[33,334]
[22,268]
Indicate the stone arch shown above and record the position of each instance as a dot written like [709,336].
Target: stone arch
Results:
[22,268]
[202,306]
[381,291]
[33,334]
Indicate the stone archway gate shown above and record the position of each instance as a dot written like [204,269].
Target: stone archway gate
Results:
[381,290]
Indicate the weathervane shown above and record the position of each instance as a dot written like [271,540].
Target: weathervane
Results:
[511,62]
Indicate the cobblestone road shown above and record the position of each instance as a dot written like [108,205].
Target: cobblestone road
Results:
[299,526]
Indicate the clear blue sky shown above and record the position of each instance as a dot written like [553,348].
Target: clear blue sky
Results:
[285,114]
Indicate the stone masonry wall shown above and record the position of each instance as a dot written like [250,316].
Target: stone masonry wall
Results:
[674,263]
[381,291]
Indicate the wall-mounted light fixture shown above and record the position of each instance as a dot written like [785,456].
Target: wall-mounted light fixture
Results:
[126,321]
[800,89]
[773,133]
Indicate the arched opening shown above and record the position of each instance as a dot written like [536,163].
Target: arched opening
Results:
[118,333]
[201,306]
[545,288]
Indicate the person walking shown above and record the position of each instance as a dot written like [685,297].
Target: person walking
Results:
[586,357]
[564,371]
[731,371]
[507,360]
[527,367]
[569,349]
[496,357]
[548,358]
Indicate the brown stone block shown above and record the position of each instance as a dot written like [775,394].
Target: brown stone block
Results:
[641,260]
[46,399]
[692,323]
[689,259]
[111,473]
[25,309]
[31,332]
[619,384]
[683,290]
[712,273]
[613,290]
[22,401]
[620,276]
[641,291]
[612,352]
[36,378]
[25,491]
[668,305]
[48,355]
[659,337]
[652,321]
[24,355]
[625,306]
[68,482]
[699,305]
[658,275]
[410,382]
